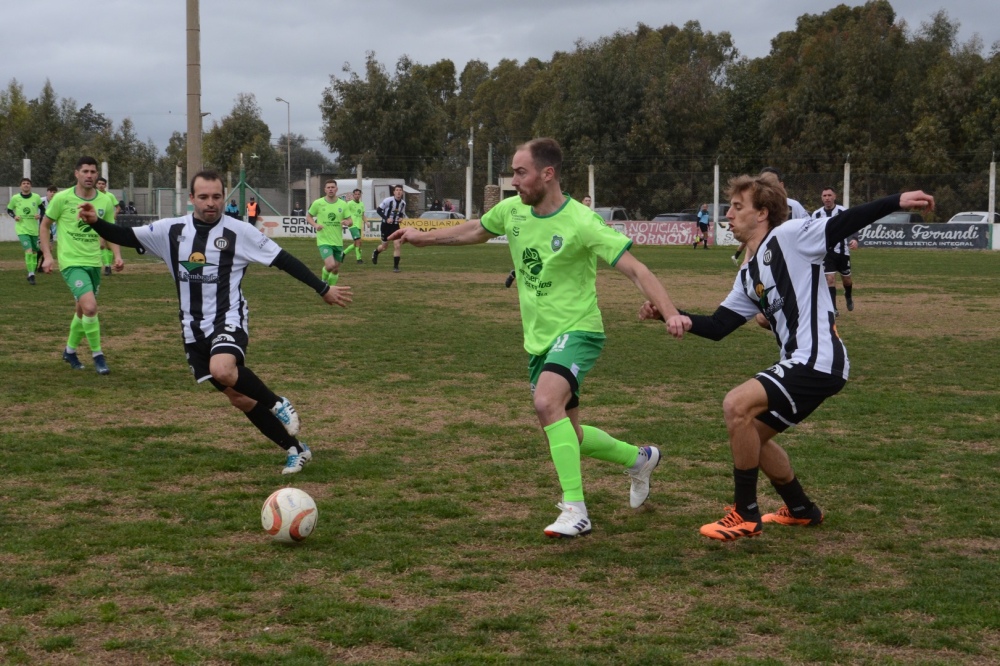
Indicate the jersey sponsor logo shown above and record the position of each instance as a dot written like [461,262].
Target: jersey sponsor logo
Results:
[766,308]
[100,212]
[517,216]
[532,260]
[221,243]
[557,243]
[767,257]
[197,277]
[194,264]
[515,231]
[264,240]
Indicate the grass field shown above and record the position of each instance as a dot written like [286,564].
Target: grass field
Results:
[130,530]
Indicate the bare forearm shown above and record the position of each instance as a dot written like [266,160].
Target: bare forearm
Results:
[467,233]
[654,292]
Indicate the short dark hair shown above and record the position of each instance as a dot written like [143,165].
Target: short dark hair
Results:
[544,153]
[774,171]
[27,180]
[205,174]
[828,188]
[355,190]
[102,179]
[85,160]
[399,185]
[51,188]
[331,180]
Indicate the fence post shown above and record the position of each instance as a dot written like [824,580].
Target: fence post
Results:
[26,168]
[590,185]
[847,181]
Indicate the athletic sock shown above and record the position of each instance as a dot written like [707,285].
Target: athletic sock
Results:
[395,262]
[75,333]
[565,450]
[794,497]
[745,494]
[251,386]
[332,278]
[325,275]
[271,427]
[357,251]
[107,257]
[599,444]
[848,289]
[30,262]
[92,329]
[833,296]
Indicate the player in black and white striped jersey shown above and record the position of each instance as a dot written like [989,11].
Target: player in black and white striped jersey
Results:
[782,281]
[391,210]
[207,254]
[838,259]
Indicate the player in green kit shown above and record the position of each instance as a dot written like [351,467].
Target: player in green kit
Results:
[555,242]
[80,257]
[107,257]
[23,207]
[356,210]
[328,215]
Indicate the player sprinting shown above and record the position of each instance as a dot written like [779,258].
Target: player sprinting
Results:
[328,215]
[391,210]
[207,254]
[555,243]
[781,281]
[107,256]
[356,210]
[80,258]
[24,207]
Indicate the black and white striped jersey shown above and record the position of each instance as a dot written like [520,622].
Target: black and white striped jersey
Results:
[392,210]
[784,280]
[821,212]
[796,211]
[208,264]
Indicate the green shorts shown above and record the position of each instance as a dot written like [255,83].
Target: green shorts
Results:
[82,280]
[332,250]
[572,355]
[355,233]
[29,243]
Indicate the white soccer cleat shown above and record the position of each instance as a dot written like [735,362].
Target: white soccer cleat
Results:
[639,491]
[572,522]
[285,413]
[296,461]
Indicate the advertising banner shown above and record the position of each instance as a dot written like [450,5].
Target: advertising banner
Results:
[953,236]
[659,233]
[296,227]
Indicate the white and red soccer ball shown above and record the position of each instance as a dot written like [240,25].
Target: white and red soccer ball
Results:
[289,515]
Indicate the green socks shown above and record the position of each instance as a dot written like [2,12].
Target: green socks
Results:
[92,329]
[30,262]
[599,444]
[107,257]
[565,450]
[75,332]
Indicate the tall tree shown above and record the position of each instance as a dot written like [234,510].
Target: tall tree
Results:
[243,132]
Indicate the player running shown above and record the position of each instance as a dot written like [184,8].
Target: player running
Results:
[24,208]
[207,254]
[391,210]
[80,257]
[356,210]
[328,215]
[781,281]
[555,243]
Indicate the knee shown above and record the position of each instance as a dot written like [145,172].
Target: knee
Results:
[548,407]
[736,411]
[224,375]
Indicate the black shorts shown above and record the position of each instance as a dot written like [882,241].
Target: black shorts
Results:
[388,228]
[834,262]
[794,392]
[224,340]
[703,227]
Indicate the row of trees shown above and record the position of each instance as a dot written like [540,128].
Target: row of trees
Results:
[652,109]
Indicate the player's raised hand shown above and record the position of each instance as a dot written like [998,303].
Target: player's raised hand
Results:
[338,295]
[87,213]
[409,235]
[916,199]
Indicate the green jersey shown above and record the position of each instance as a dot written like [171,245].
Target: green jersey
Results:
[330,215]
[555,257]
[25,207]
[78,243]
[356,210]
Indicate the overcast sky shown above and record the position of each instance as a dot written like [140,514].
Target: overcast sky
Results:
[128,58]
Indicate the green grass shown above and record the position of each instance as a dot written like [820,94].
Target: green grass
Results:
[130,531]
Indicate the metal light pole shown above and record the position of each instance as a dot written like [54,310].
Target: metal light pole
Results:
[288,149]
[468,181]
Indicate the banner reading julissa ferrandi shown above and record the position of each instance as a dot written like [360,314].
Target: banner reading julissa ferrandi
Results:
[659,233]
[953,236]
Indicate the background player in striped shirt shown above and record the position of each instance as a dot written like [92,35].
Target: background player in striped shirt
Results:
[391,210]
[838,259]
[782,280]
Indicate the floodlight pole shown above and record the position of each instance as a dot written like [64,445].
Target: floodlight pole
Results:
[288,150]
[193,88]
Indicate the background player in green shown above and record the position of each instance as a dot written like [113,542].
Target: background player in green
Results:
[356,210]
[328,215]
[80,257]
[23,207]
[107,256]
[555,242]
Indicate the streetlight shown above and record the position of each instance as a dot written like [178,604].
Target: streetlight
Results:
[288,149]
[468,180]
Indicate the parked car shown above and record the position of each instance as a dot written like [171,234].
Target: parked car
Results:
[613,214]
[901,216]
[441,215]
[723,209]
[372,216]
[975,216]
[676,217]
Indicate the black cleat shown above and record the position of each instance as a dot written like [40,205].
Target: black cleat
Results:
[375,257]
[510,279]
[31,279]
[850,304]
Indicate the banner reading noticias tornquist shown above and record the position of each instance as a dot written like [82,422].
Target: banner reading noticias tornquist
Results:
[952,236]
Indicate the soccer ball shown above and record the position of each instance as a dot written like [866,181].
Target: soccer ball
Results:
[289,515]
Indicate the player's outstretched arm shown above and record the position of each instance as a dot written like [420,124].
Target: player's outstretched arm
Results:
[651,288]
[467,233]
[114,234]
[338,295]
